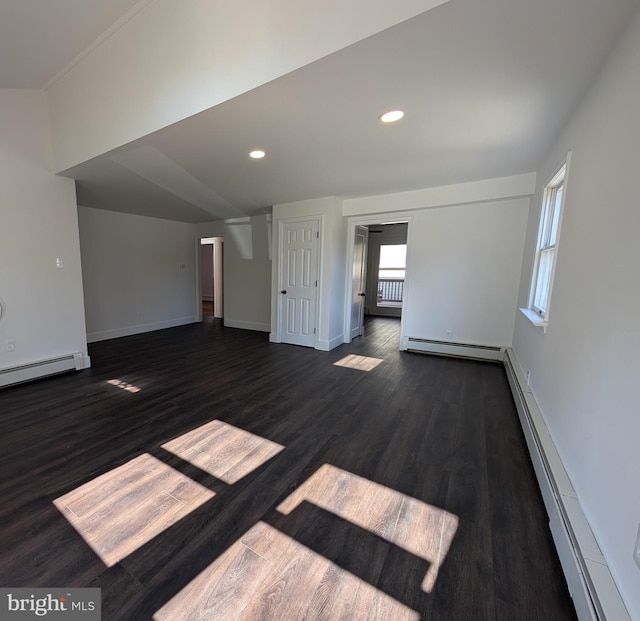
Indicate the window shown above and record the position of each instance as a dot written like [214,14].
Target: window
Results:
[547,247]
[391,271]
[393,261]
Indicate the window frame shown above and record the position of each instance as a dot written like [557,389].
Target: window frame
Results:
[547,243]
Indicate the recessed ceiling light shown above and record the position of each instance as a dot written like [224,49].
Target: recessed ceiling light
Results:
[258,154]
[392,116]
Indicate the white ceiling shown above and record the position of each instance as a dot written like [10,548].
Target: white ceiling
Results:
[39,38]
[485,84]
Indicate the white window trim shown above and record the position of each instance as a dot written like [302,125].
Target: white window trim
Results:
[531,312]
[534,318]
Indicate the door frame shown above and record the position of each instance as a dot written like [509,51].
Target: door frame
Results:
[198,272]
[369,220]
[377,242]
[276,337]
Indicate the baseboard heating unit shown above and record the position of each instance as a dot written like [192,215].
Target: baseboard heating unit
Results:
[448,348]
[595,595]
[40,368]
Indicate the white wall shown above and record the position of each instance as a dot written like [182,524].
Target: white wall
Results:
[584,370]
[138,273]
[465,248]
[246,270]
[500,188]
[38,223]
[333,256]
[174,59]
[463,272]
[334,245]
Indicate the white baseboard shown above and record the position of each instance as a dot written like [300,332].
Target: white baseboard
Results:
[322,345]
[332,344]
[37,369]
[105,335]
[247,325]
[446,348]
[595,595]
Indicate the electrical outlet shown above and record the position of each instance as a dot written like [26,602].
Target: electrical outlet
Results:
[10,344]
[448,334]
[60,263]
[636,552]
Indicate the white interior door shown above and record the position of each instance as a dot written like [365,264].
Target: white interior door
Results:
[359,281]
[299,282]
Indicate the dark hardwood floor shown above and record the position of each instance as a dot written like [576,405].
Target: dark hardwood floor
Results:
[203,473]
[207,309]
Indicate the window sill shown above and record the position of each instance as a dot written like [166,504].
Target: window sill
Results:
[534,318]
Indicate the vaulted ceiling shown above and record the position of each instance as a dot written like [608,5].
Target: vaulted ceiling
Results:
[39,38]
[486,85]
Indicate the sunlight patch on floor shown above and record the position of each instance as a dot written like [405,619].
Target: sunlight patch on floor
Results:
[224,451]
[124,385]
[269,575]
[360,363]
[415,526]
[118,512]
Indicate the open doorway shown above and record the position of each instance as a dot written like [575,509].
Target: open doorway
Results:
[386,269]
[385,291]
[211,252]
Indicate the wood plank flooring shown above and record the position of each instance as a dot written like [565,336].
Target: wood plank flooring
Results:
[207,309]
[203,473]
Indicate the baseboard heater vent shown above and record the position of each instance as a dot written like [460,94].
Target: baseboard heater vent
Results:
[448,348]
[41,368]
[595,595]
